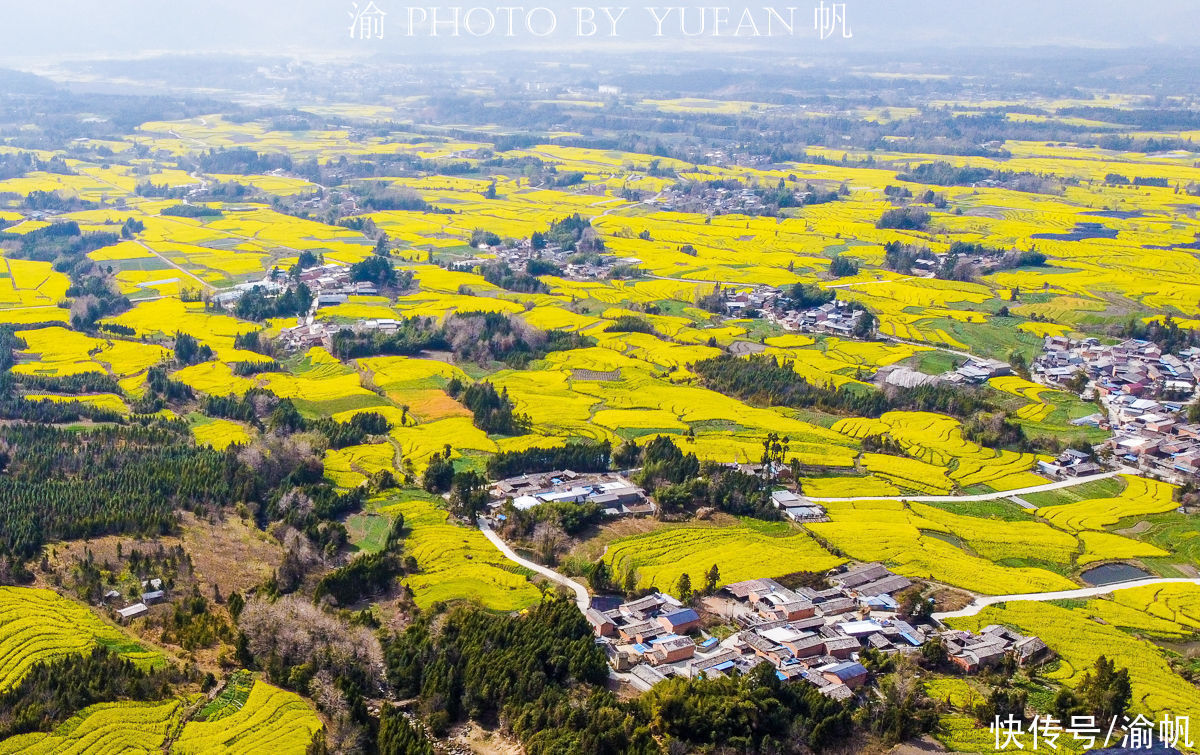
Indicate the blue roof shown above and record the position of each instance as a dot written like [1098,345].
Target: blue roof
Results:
[723,666]
[664,638]
[683,616]
[847,670]
[778,675]
[643,649]
[709,642]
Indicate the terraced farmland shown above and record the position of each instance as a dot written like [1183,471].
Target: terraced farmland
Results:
[106,728]
[937,441]
[270,720]
[1079,640]
[1141,496]
[710,250]
[267,719]
[747,550]
[39,625]
[458,563]
[917,544]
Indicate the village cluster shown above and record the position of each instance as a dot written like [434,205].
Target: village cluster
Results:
[1145,393]
[614,494]
[574,266]
[835,318]
[330,285]
[714,201]
[815,636]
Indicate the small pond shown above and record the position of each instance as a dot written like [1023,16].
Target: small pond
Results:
[1109,573]
[1081,232]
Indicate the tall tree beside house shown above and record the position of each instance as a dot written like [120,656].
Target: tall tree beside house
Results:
[468,494]
[775,449]
[711,578]
[683,588]
[1019,363]
[629,582]
[599,578]
[865,327]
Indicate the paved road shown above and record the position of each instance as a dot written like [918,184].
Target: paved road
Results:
[203,283]
[927,345]
[582,600]
[983,496]
[983,601]
[870,282]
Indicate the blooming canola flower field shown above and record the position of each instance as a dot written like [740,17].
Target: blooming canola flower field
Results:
[613,341]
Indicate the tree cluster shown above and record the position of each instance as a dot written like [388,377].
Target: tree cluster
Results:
[256,304]
[53,690]
[764,380]
[580,457]
[496,670]
[494,411]
[573,233]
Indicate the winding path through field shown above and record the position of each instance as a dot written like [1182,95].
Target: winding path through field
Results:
[982,601]
[997,495]
[185,271]
[582,600]
[927,345]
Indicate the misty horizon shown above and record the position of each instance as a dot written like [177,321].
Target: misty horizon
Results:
[78,29]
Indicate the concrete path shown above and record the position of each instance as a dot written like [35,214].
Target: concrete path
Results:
[870,282]
[927,345]
[984,496]
[582,599]
[983,601]
[203,283]
[1022,502]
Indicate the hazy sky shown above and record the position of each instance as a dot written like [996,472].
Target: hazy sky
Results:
[34,31]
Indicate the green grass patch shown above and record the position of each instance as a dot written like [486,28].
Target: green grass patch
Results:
[368,530]
[1036,563]
[1005,510]
[231,699]
[716,426]
[758,329]
[1109,487]
[311,409]
[947,537]
[1070,602]
[1173,532]
[995,338]
[978,489]
[933,362]
[633,433]
[121,646]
